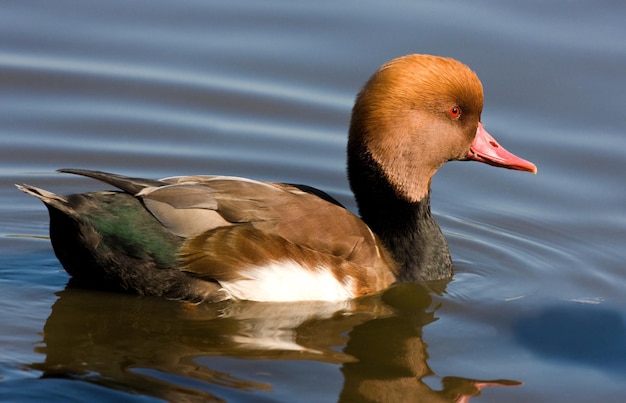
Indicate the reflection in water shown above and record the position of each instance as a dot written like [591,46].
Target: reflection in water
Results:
[155,347]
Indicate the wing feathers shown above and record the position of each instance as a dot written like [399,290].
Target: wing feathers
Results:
[125,183]
[187,222]
[185,196]
[238,253]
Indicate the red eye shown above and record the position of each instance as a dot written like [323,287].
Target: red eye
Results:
[455,112]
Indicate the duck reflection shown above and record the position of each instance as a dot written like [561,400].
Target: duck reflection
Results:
[155,347]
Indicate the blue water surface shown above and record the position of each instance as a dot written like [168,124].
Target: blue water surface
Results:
[536,310]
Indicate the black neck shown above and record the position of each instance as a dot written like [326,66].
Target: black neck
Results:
[407,229]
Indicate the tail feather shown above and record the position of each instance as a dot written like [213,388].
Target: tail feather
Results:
[48,198]
[43,195]
[126,183]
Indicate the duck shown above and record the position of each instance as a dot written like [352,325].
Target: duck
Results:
[210,238]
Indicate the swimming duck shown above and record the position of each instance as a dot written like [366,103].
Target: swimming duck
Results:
[213,238]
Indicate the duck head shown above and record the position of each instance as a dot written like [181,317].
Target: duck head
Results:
[413,115]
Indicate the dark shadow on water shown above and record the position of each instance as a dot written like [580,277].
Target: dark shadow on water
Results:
[158,348]
[586,334]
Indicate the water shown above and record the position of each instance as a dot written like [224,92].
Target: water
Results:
[264,90]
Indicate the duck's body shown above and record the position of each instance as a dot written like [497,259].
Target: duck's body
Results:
[210,238]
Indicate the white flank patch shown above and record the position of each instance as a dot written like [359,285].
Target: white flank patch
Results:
[289,281]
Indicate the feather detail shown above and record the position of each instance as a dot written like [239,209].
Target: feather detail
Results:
[289,281]
[248,262]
